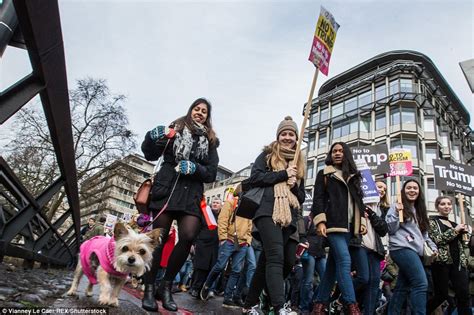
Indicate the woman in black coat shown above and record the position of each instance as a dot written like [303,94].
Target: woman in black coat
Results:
[189,148]
[276,216]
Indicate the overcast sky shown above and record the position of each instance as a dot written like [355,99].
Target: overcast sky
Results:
[249,58]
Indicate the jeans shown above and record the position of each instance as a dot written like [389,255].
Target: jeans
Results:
[226,250]
[183,275]
[338,267]
[307,294]
[248,271]
[411,281]
[367,279]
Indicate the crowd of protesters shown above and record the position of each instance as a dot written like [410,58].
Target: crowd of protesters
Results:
[359,258]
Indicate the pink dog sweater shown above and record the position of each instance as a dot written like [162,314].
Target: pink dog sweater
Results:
[104,248]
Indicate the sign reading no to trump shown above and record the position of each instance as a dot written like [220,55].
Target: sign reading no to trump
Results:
[452,176]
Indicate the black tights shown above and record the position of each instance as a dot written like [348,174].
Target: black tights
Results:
[189,227]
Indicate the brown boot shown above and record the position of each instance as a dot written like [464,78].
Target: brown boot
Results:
[354,309]
[319,309]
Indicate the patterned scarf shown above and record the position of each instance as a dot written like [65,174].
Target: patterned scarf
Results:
[183,143]
[278,159]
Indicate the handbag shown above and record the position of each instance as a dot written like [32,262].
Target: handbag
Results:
[142,196]
[143,193]
[428,254]
[249,202]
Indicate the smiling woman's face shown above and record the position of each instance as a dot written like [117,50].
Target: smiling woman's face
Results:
[199,113]
[287,139]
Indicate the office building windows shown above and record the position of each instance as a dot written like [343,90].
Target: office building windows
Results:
[431,154]
[394,116]
[337,109]
[380,92]
[312,142]
[350,104]
[323,139]
[324,114]
[380,122]
[365,98]
[408,115]
[406,85]
[310,169]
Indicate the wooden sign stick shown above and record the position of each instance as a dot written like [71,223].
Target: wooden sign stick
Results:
[399,198]
[461,213]
[306,114]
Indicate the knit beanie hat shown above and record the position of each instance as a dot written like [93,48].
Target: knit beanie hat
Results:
[287,124]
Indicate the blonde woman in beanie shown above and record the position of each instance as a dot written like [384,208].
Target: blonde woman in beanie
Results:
[276,216]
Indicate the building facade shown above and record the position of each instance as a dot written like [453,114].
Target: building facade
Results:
[399,98]
[227,180]
[111,190]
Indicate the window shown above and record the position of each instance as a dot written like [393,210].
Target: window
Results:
[365,98]
[380,92]
[336,132]
[354,125]
[337,109]
[323,139]
[314,119]
[406,85]
[393,87]
[456,152]
[443,136]
[431,193]
[320,165]
[365,123]
[394,116]
[350,104]
[380,122]
[310,169]
[312,142]
[345,129]
[408,115]
[428,124]
[395,143]
[324,114]
[431,154]
[410,144]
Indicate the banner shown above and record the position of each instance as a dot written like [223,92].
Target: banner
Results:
[376,157]
[453,176]
[208,216]
[400,162]
[323,41]
[369,189]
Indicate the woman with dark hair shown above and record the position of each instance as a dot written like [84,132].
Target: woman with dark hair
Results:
[189,149]
[406,242]
[451,263]
[338,212]
[276,216]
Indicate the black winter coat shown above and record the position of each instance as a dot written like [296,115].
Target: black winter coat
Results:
[206,249]
[330,203]
[189,188]
[316,242]
[262,176]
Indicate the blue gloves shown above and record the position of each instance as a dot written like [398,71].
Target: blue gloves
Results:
[186,167]
[162,131]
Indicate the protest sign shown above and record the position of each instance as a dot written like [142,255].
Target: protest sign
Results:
[369,189]
[323,41]
[376,157]
[453,176]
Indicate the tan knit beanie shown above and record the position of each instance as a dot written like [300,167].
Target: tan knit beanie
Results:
[287,124]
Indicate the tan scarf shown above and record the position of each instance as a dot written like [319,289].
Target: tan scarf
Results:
[278,159]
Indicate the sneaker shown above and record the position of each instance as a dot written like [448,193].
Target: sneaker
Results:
[286,310]
[211,295]
[254,310]
[229,304]
[204,292]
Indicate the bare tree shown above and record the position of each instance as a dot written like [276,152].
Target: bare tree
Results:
[100,132]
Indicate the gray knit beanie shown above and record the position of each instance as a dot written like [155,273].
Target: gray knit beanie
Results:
[287,124]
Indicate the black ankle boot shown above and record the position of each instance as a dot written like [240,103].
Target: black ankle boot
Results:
[163,293]
[149,301]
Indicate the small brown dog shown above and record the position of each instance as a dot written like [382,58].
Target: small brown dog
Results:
[109,261]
